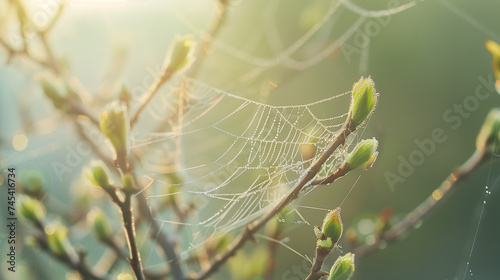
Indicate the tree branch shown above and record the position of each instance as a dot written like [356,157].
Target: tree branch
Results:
[427,206]
[160,237]
[55,18]
[78,265]
[164,77]
[321,254]
[128,222]
[207,38]
[253,227]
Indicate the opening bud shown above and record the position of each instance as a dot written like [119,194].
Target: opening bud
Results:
[31,209]
[179,53]
[53,90]
[97,174]
[100,224]
[364,155]
[363,100]
[57,237]
[114,124]
[332,226]
[343,268]
[33,182]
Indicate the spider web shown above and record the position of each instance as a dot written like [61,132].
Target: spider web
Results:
[234,157]
[237,157]
[283,55]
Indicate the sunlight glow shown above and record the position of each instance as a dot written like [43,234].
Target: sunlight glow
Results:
[20,142]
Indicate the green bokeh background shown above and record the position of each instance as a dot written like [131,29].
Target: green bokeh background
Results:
[424,61]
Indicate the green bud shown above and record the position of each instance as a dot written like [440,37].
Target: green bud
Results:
[128,182]
[325,243]
[98,174]
[31,209]
[125,96]
[100,224]
[364,155]
[114,124]
[343,268]
[332,226]
[179,53]
[81,197]
[488,139]
[57,237]
[494,49]
[33,181]
[53,91]
[363,100]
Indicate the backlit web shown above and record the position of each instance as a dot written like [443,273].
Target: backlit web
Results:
[232,158]
[236,156]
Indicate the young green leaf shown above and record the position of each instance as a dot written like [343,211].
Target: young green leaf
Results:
[364,155]
[343,268]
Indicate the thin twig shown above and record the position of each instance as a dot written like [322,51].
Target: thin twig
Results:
[128,222]
[207,39]
[55,18]
[252,228]
[80,130]
[159,81]
[79,265]
[51,60]
[321,254]
[112,243]
[125,206]
[430,204]
[157,234]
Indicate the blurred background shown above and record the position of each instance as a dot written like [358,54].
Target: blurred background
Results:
[427,62]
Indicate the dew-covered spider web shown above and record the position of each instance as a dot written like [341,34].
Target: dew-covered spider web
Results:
[234,157]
